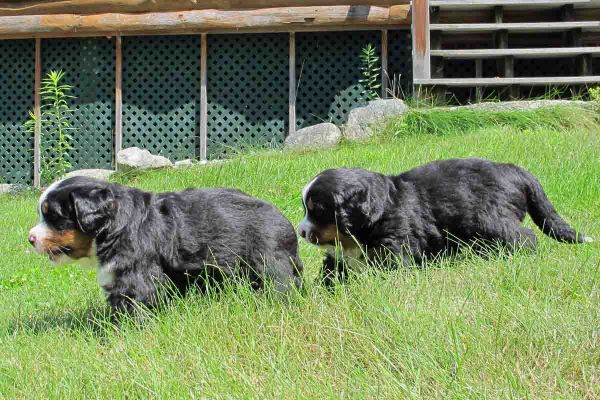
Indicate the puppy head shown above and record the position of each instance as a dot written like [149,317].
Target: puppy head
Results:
[72,213]
[339,203]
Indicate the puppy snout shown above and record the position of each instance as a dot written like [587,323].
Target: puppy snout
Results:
[32,239]
[302,232]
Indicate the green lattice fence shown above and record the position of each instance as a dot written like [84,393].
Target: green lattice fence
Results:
[400,62]
[247,91]
[328,74]
[17,65]
[88,64]
[161,94]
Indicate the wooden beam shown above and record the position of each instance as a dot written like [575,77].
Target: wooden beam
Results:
[40,7]
[203,99]
[420,34]
[207,21]
[292,85]
[37,110]
[118,96]
[384,64]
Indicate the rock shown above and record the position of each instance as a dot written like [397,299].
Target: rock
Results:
[360,119]
[136,158]
[15,188]
[102,174]
[521,105]
[5,188]
[320,135]
[184,163]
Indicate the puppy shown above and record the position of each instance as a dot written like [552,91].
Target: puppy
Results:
[143,240]
[425,212]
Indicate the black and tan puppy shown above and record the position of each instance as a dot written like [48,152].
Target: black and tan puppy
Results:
[142,240]
[426,212]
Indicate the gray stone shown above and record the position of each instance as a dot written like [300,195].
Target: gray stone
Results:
[361,119]
[522,105]
[5,188]
[102,174]
[320,135]
[184,163]
[136,158]
[15,188]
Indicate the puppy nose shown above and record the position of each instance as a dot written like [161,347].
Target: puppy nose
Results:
[32,239]
[302,233]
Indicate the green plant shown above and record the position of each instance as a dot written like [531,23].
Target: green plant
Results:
[370,70]
[440,121]
[595,94]
[56,130]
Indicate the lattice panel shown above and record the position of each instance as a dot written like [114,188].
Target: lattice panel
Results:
[88,64]
[400,61]
[161,94]
[248,91]
[17,65]
[328,74]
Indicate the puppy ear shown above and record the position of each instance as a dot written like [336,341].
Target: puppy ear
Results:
[358,208]
[93,209]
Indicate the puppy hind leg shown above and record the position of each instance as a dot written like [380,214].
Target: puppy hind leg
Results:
[282,273]
[511,236]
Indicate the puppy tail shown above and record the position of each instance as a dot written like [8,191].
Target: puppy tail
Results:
[545,216]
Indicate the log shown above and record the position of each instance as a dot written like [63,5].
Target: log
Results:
[205,21]
[39,7]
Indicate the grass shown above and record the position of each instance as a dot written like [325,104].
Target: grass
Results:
[521,326]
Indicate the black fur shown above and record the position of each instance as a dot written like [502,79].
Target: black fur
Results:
[148,239]
[430,210]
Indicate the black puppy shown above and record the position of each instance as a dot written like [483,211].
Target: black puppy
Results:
[143,240]
[426,211]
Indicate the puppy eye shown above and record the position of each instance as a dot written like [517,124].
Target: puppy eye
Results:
[310,205]
[45,208]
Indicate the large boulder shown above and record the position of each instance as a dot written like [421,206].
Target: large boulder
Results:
[361,119]
[136,158]
[102,174]
[320,135]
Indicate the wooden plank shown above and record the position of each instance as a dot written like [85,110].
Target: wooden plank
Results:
[420,34]
[384,64]
[203,99]
[517,27]
[40,7]
[454,4]
[478,74]
[528,81]
[549,52]
[213,21]
[118,96]
[292,85]
[37,110]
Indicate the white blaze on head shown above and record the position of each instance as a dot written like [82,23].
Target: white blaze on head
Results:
[41,230]
[305,223]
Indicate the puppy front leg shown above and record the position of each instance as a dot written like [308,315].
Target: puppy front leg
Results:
[132,287]
[334,269]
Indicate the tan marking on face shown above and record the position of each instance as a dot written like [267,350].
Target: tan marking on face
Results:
[57,242]
[329,234]
[310,205]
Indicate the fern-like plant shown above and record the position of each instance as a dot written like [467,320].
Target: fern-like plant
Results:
[371,71]
[595,95]
[56,129]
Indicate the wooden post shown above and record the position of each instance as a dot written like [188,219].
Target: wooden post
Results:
[292,85]
[420,35]
[203,100]
[478,74]
[384,64]
[37,110]
[118,97]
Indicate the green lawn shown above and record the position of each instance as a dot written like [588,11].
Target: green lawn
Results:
[522,326]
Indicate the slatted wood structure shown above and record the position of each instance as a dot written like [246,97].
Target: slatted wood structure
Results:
[188,78]
[505,44]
